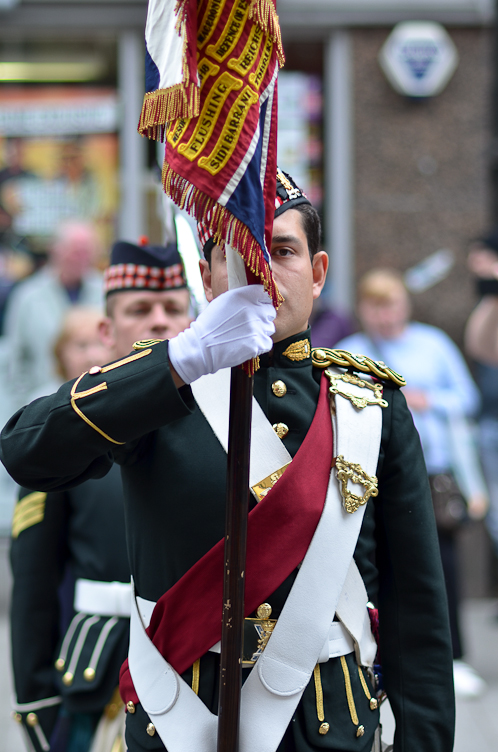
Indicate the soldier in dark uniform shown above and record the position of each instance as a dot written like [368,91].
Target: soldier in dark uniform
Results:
[66,659]
[141,414]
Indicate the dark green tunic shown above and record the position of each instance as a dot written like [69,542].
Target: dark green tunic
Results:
[81,534]
[173,472]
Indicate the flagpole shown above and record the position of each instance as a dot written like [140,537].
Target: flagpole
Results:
[237,508]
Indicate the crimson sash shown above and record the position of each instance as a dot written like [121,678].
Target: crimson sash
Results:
[186,620]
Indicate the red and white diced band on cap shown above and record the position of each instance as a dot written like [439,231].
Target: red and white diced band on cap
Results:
[144,267]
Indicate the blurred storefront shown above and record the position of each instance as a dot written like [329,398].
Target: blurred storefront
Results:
[71,83]
[59,156]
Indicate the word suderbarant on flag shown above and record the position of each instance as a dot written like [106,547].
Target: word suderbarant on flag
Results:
[211,84]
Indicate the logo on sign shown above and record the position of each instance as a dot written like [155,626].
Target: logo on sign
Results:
[419,55]
[418,59]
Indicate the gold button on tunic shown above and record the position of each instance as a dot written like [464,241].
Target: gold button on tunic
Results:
[281,429]
[279,388]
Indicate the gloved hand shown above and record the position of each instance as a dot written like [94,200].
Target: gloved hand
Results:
[235,327]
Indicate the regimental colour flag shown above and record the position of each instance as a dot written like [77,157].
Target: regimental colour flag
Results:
[211,80]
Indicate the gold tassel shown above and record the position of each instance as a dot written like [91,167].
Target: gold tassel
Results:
[324,727]
[360,730]
[196,670]
[372,701]
[164,105]
[251,366]
[263,11]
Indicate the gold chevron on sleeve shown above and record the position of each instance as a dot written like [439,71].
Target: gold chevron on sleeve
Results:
[28,512]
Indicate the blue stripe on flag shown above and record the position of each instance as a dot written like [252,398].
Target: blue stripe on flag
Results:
[152,76]
[246,202]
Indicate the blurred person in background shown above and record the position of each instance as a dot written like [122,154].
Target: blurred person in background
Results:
[12,171]
[15,260]
[481,334]
[82,193]
[328,325]
[71,593]
[37,305]
[481,344]
[441,394]
[78,344]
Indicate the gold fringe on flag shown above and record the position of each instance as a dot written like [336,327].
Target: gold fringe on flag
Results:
[163,105]
[181,8]
[179,101]
[225,227]
[265,15]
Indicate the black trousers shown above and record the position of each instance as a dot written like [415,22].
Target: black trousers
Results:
[448,548]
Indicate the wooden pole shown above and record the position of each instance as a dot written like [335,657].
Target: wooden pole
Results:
[237,508]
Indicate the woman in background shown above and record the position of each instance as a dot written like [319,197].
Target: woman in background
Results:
[441,395]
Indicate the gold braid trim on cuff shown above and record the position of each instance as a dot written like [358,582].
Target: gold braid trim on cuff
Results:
[102,388]
[74,396]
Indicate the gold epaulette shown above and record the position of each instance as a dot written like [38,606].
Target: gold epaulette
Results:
[323,357]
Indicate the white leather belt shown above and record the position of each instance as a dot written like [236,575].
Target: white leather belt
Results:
[102,598]
[339,641]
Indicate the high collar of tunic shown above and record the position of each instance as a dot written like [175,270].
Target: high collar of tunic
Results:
[279,356]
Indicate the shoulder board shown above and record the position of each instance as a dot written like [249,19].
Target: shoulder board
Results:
[142,344]
[323,357]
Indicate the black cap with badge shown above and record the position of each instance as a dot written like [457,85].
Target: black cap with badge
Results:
[289,195]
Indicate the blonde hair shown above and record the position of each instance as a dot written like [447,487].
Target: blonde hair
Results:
[381,285]
[75,317]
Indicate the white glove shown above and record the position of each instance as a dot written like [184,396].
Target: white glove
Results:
[235,327]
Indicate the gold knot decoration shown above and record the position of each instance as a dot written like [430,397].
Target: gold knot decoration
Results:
[350,471]
[323,357]
[359,402]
